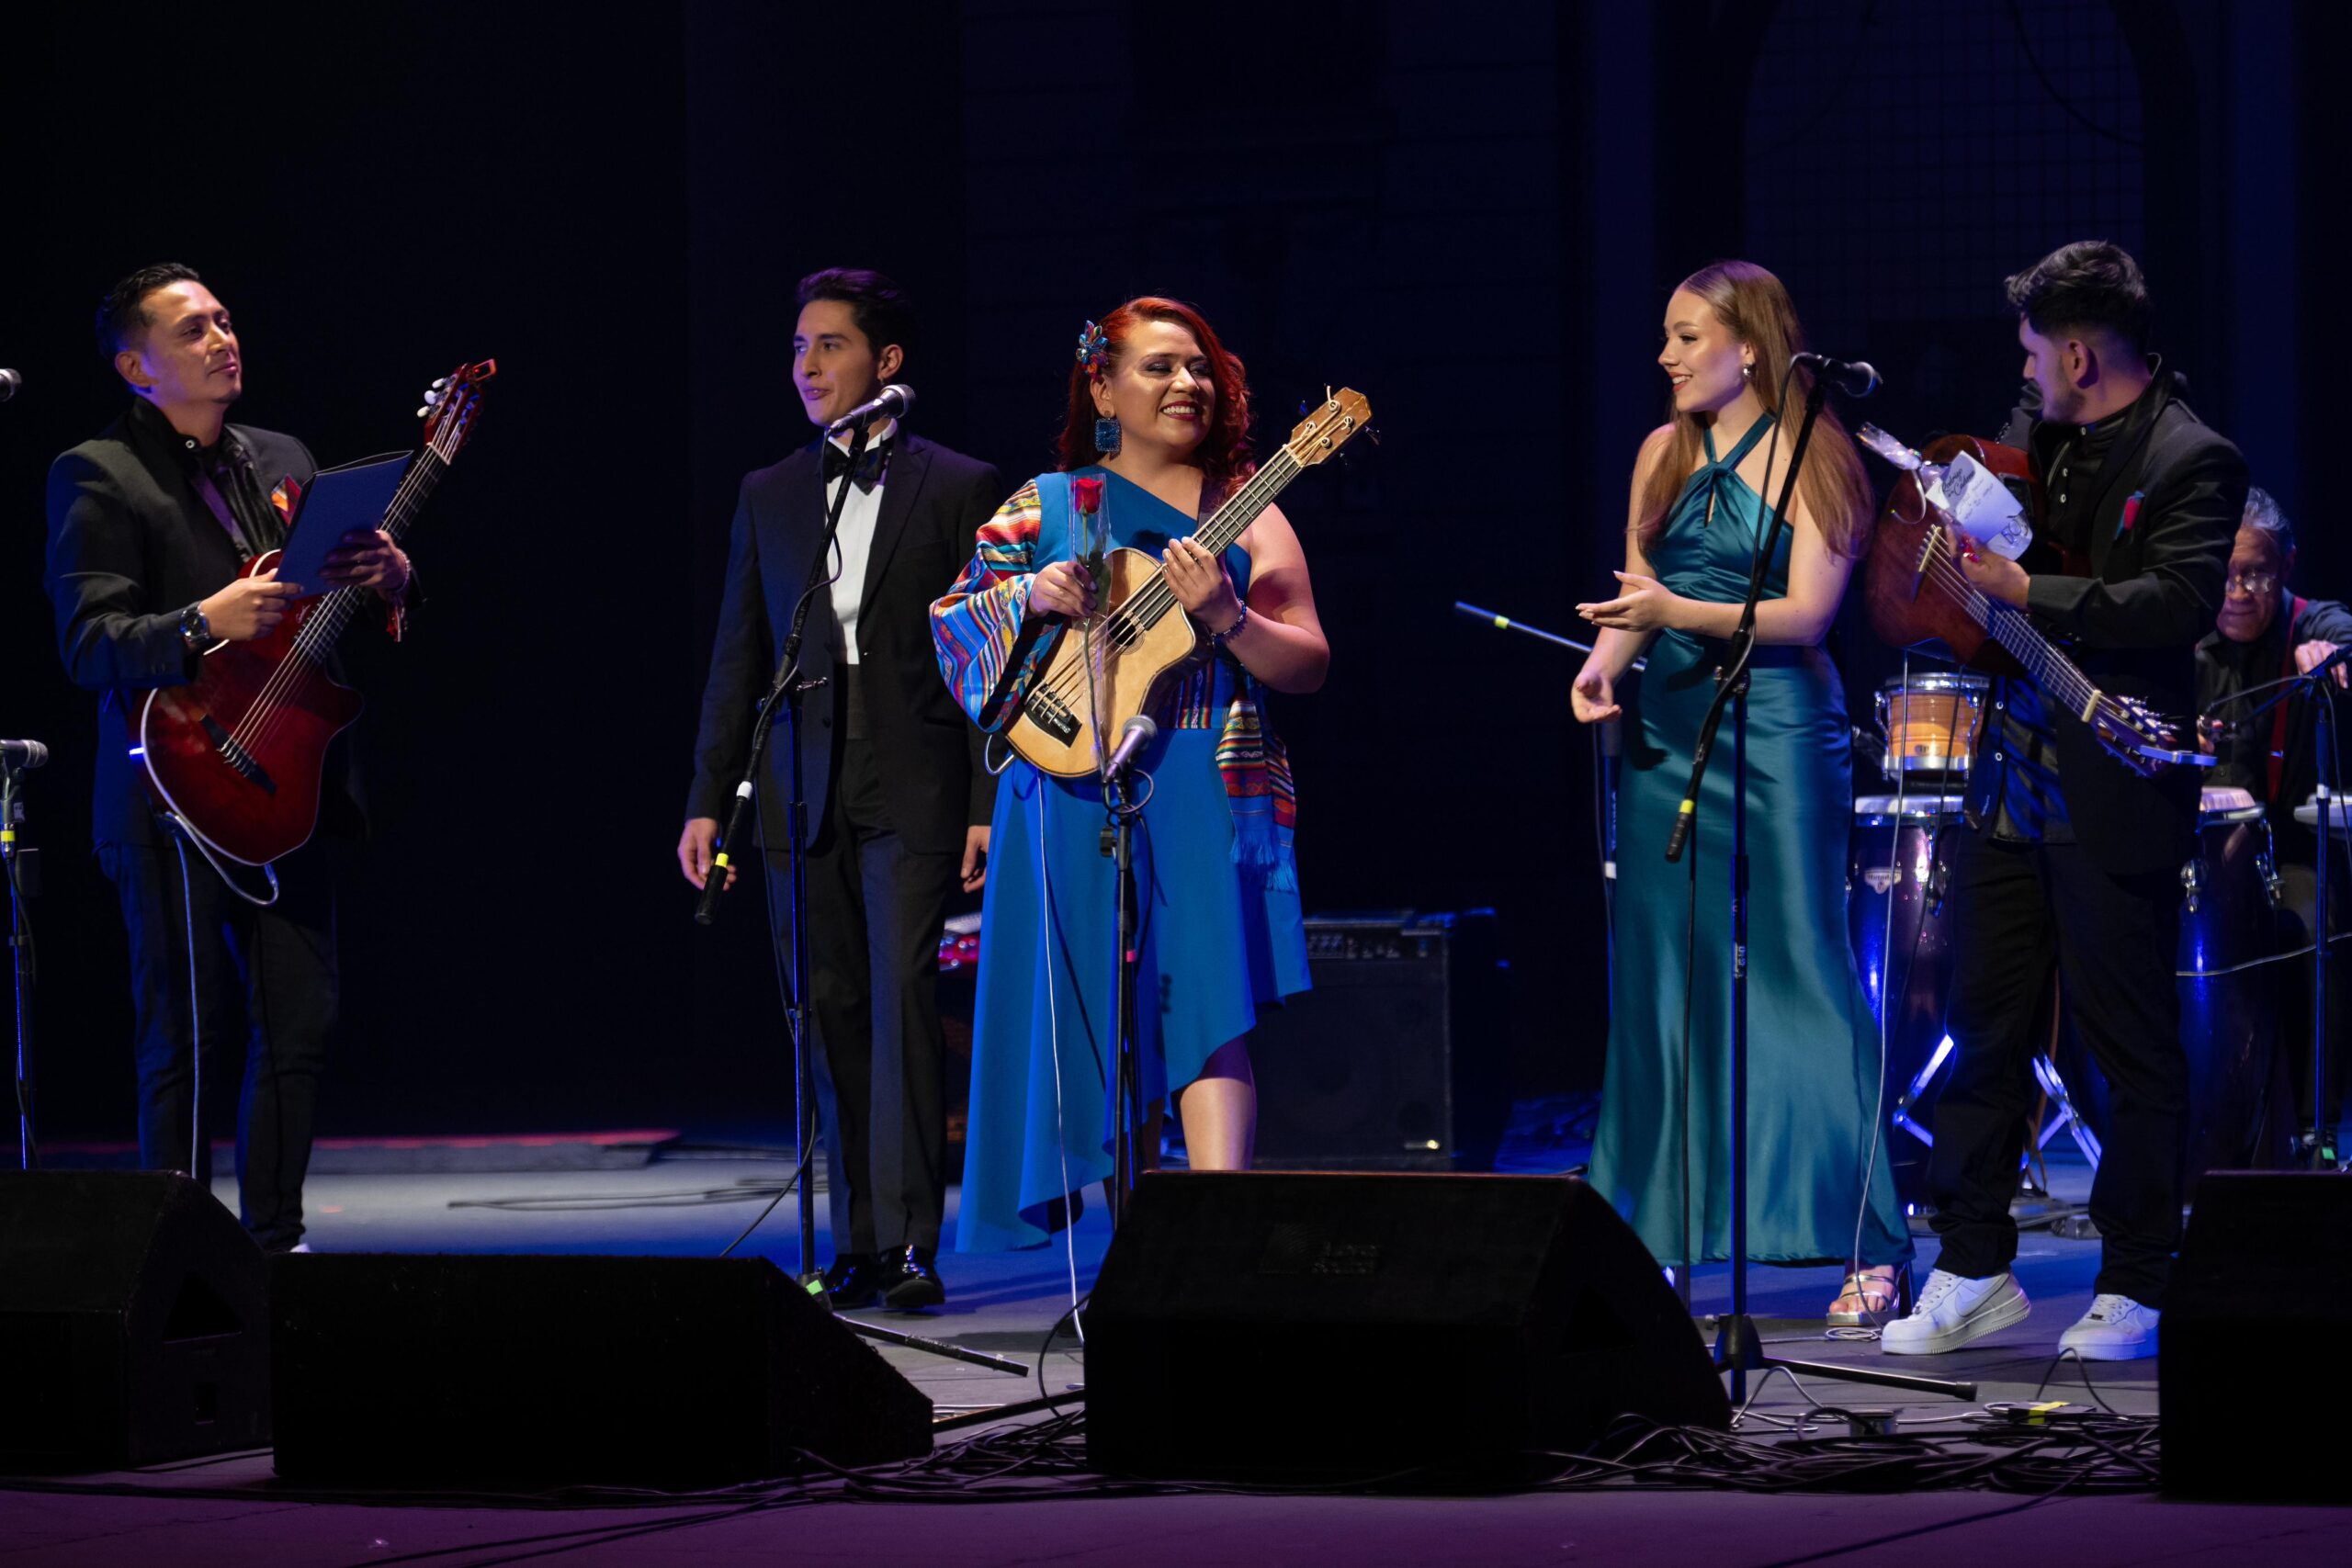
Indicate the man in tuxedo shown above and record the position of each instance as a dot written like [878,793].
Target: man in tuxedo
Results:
[2069,858]
[150,525]
[899,801]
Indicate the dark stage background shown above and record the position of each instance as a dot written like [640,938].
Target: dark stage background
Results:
[1473,213]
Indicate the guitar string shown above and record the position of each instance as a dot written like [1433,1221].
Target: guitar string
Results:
[257,722]
[2052,670]
[1152,599]
[263,716]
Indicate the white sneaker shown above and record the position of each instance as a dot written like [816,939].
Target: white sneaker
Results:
[1953,1311]
[2117,1329]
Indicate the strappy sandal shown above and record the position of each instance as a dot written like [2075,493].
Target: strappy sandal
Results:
[1883,1296]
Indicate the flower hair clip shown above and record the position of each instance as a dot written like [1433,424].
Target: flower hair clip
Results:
[1093,349]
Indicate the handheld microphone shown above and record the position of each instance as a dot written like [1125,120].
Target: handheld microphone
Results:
[892,401]
[22,753]
[1139,733]
[9,383]
[1855,378]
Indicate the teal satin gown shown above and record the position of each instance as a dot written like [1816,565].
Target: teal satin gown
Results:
[1813,1045]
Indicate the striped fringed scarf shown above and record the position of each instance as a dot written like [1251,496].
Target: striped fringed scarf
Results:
[1259,789]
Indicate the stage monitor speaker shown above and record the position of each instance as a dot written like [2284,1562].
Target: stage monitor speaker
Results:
[1398,1058]
[2264,1276]
[531,1370]
[134,1322]
[1293,1325]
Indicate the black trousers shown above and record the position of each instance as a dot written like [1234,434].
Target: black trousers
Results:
[265,984]
[875,911]
[2017,910]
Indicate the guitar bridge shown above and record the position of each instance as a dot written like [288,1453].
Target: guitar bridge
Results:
[1048,714]
[237,757]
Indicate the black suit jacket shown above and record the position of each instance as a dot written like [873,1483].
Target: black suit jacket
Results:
[131,545]
[933,501]
[2133,624]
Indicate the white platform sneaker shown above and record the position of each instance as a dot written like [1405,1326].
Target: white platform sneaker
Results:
[1954,1310]
[2117,1329]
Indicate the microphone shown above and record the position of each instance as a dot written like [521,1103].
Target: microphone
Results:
[893,400]
[1137,733]
[9,382]
[22,753]
[1855,378]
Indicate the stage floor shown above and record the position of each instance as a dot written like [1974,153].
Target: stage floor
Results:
[691,1200]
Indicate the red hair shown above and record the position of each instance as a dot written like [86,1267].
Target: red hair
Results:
[1224,451]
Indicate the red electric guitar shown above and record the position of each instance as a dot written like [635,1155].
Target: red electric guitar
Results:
[238,755]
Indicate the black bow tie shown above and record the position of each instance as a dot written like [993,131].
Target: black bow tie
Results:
[870,466]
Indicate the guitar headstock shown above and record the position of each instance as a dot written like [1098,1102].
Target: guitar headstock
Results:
[1327,426]
[450,405]
[2137,736]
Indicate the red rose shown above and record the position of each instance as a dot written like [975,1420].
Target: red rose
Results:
[1089,494]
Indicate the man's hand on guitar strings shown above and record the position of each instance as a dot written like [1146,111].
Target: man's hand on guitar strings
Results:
[1062,588]
[1201,585]
[250,607]
[1997,576]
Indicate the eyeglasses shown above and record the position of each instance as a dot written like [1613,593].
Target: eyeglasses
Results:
[2253,585]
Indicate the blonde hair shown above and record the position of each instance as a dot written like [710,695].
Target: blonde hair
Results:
[1754,308]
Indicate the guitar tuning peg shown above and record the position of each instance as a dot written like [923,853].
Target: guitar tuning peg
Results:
[432,398]
[439,382]
[422,412]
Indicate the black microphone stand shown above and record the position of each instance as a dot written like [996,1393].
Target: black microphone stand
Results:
[2318,1144]
[1123,807]
[786,690]
[13,866]
[1739,1350]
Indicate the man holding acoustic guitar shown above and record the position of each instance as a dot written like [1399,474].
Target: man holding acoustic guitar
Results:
[151,527]
[2070,858]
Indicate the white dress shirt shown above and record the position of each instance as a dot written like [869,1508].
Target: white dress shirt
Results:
[855,543]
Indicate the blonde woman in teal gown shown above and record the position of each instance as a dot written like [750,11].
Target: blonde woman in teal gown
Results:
[1818,1187]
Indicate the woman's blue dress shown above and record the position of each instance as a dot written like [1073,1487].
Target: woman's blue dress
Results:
[1222,930]
[1815,1127]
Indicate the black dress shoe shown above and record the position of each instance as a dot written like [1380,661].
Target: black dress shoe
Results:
[855,1279]
[911,1280]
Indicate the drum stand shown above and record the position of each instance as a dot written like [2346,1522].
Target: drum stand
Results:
[1739,1350]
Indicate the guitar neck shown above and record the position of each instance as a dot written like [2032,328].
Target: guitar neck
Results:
[2044,664]
[327,622]
[1225,527]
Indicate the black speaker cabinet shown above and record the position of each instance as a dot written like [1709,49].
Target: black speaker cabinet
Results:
[2251,1378]
[1398,1059]
[134,1322]
[1271,1324]
[527,1370]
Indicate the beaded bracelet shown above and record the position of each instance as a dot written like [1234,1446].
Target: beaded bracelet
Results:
[1230,632]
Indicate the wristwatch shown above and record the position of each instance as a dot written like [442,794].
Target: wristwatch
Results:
[195,630]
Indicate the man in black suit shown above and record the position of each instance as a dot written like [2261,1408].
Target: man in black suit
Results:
[2069,858]
[898,802]
[150,525]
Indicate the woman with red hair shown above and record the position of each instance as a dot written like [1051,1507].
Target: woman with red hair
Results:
[1156,438]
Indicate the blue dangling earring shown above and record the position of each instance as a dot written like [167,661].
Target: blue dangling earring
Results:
[1106,434]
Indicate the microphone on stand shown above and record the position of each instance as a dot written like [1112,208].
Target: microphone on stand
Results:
[1855,378]
[1139,733]
[24,754]
[892,401]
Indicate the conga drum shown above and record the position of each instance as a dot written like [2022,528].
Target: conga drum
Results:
[1903,951]
[2229,994]
[1931,719]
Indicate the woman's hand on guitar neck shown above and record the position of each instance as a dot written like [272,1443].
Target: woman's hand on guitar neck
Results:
[1062,588]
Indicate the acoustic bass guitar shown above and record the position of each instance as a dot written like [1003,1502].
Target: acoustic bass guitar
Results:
[1140,633]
